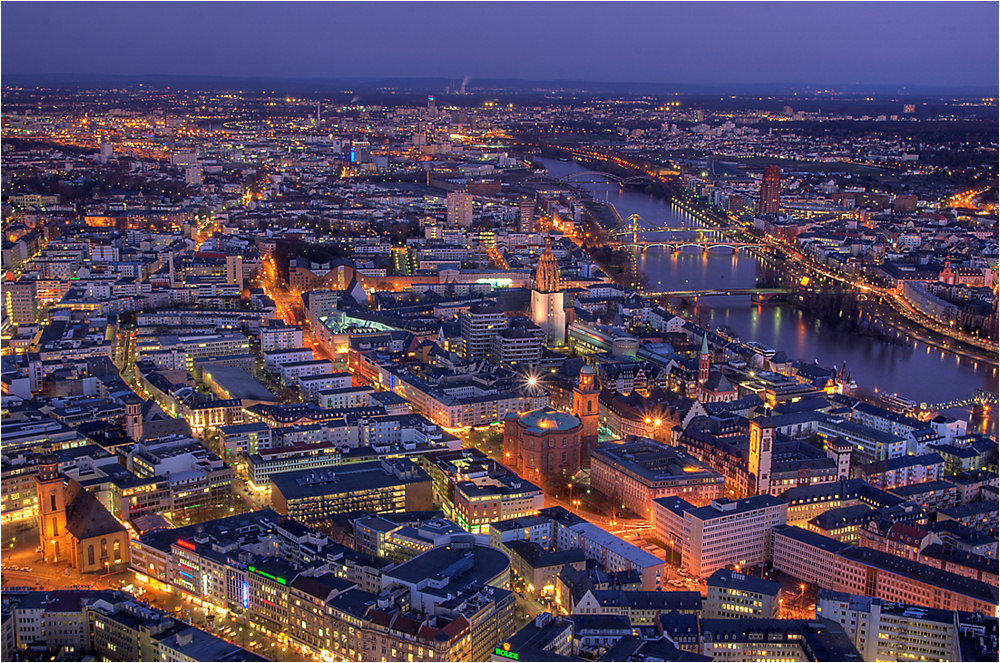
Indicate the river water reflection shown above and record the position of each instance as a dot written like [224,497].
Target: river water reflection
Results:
[914,370]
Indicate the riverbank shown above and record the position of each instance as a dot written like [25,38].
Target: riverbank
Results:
[916,369]
[776,253]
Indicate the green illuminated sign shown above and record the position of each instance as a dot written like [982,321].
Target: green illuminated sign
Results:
[267,575]
[506,653]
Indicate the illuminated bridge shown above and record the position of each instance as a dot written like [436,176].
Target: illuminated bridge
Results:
[979,397]
[704,245]
[718,292]
[631,226]
[593,177]
[689,229]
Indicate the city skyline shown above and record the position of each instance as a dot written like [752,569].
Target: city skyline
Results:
[432,332]
[749,45]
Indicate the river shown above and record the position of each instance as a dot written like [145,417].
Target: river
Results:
[915,370]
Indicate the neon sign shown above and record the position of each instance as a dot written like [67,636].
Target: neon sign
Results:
[506,652]
[267,575]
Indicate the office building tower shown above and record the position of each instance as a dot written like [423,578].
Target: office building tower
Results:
[480,325]
[361,152]
[519,344]
[770,191]
[722,533]
[526,208]
[21,300]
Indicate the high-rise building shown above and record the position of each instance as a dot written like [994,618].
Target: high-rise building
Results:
[279,335]
[520,343]
[526,208]
[459,209]
[770,191]
[361,151]
[480,325]
[234,270]
[547,307]
[20,299]
[759,460]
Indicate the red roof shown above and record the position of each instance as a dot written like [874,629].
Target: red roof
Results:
[906,533]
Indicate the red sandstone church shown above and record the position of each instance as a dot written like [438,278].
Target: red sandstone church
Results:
[547,444]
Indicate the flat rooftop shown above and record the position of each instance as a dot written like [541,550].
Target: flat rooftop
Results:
[652,461]
[446,571]
[303,484]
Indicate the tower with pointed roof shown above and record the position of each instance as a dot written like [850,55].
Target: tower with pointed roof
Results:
[704,363]
[547,272]
[547,307]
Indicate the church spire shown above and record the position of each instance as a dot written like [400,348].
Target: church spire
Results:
[547,273]
[704,361]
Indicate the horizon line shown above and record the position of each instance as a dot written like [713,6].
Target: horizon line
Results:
[500,80]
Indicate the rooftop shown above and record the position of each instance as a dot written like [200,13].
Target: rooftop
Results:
[547,420]
[303,484]
[727,579]
[445,571]
[653,461]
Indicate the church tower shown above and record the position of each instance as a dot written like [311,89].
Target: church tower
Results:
[547,299]
[133,418]
[704,363]
[51,492]
[547,273]
[585,395]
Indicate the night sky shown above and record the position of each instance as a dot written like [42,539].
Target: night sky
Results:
[940,44]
